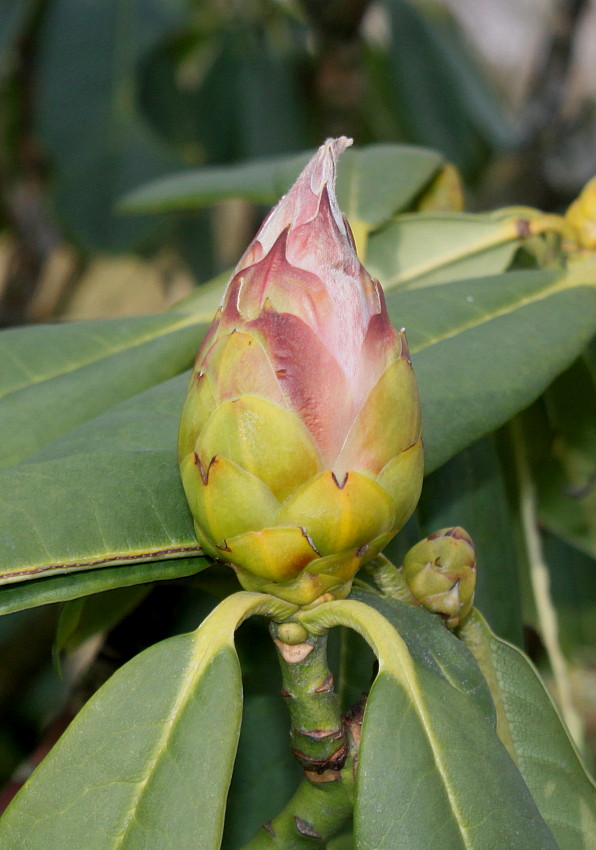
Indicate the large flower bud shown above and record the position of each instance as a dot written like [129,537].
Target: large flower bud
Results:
[440,571]
[299,445]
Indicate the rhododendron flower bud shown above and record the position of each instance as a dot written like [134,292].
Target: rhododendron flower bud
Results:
[441,573]
[299,444]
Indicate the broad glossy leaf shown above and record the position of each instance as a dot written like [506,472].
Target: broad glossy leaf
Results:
[374,182]
[482,350]
[469,491]
[424,249]
[431,768]
[98,143]
[54,377]
[62,588]
[530,728]
[117,483]
[433,647]
[150,756]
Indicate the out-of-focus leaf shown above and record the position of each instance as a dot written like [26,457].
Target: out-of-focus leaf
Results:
[424,249]
[82,618]
[13,17]
[86,113]
[230,96]
[373,183]
[197,113]
[430,762]
[566,475]
[54,377]
[440,97]
[530,728]
[150,756]
[469,491]
[573,591]
[482,350]
[265,772]
[271,110]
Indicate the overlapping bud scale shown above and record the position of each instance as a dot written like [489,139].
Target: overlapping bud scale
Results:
[299,443]
[440,571]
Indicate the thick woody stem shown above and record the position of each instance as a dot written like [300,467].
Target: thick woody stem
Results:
[317,733]
[318,810]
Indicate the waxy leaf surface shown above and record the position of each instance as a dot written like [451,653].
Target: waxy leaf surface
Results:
[431,768]
[149,759]
[55,377]
[530,727]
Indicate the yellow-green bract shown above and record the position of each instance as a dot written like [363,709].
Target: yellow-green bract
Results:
[299,445]
[441,573]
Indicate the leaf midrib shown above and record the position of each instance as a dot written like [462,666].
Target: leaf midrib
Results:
[400,666]
[202,656]
[560,285]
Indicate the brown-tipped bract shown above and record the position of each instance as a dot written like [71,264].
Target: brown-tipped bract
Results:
[299,445]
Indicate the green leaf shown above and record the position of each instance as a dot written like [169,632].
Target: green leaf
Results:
[484,349]
[424,249]
[150,756]
[469,491]
[87,616]
[565,472]
[119,491]
[373,183]
[62,588]
[378,181]
[13,18]
[529,726]
[262,181]
[431,768]
[433,647]
[54,377]
[99,145]
[438,91]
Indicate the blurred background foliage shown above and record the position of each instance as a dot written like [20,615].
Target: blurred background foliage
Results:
[99,97]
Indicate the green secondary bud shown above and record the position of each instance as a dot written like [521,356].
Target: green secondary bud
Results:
[440,571]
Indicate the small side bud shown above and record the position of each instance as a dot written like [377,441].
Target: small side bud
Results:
[291,633]
[440,571]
